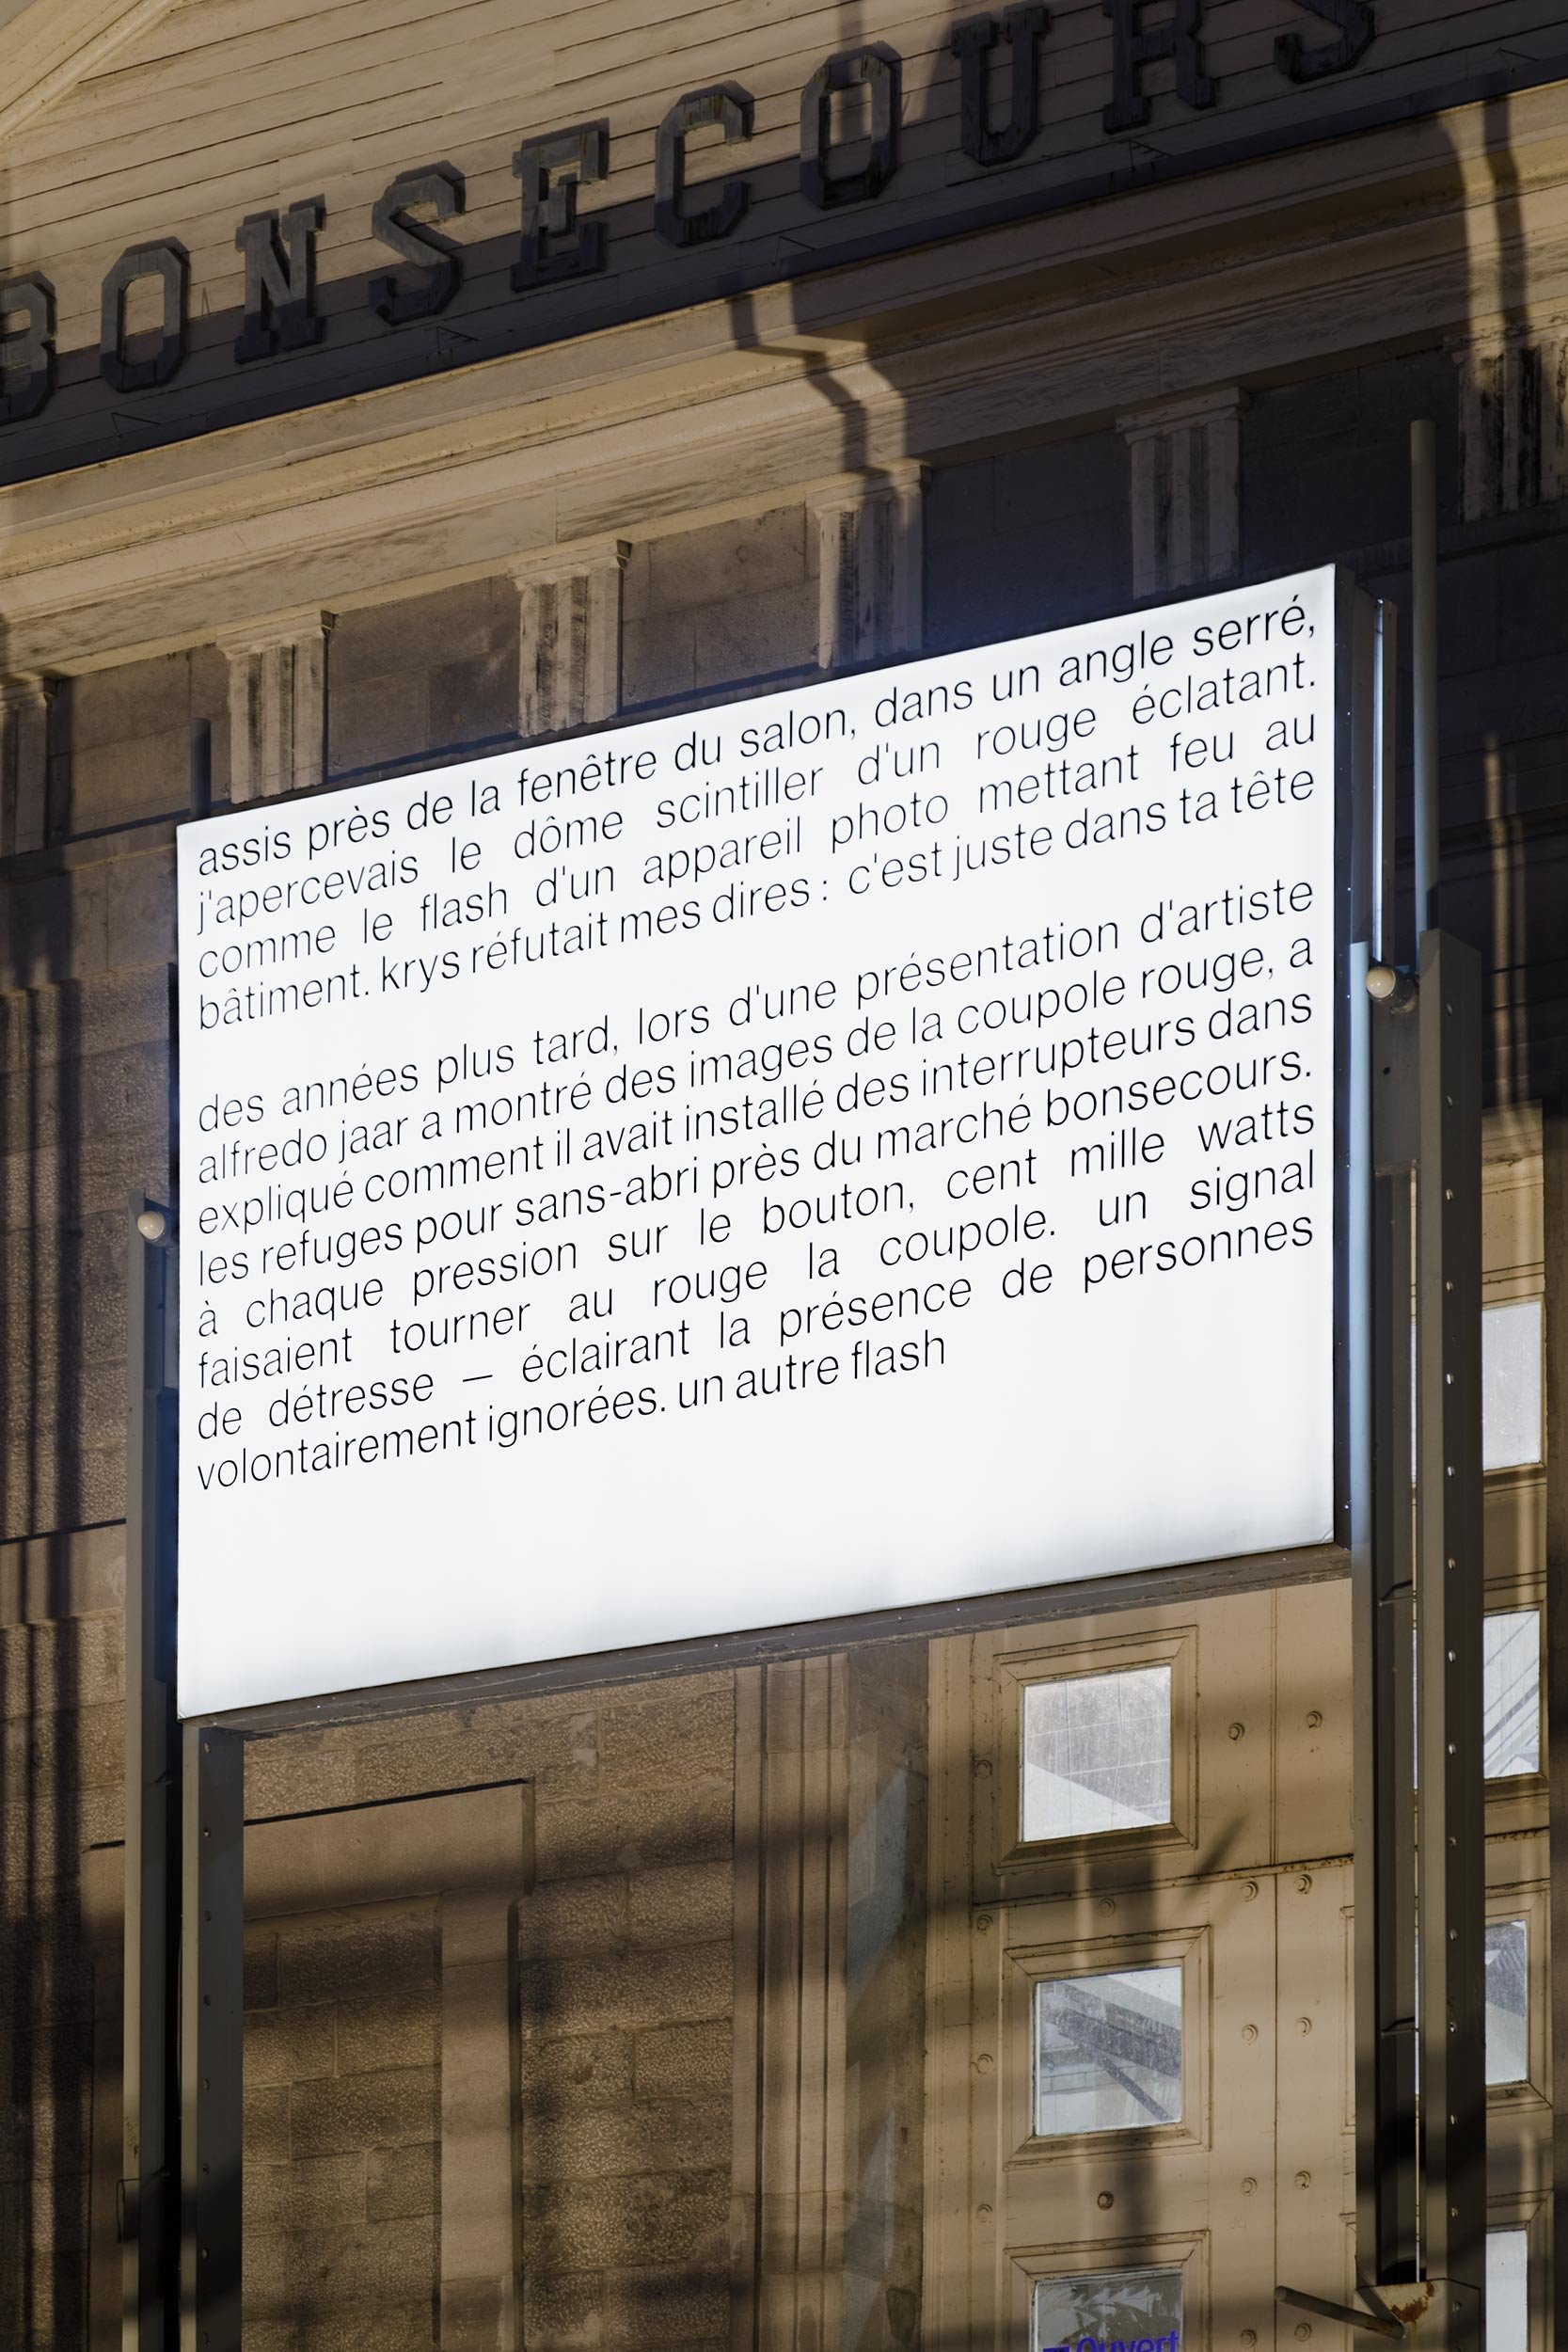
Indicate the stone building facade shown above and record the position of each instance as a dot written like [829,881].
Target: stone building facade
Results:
[688,2003]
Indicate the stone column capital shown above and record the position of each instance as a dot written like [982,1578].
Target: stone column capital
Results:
[26,698]
[1512,415]
[569,559]
[28,690]
[1223,404]
[569,634]
[1186,488]
[273,629]
[277,702]
[903,478]
[870,562]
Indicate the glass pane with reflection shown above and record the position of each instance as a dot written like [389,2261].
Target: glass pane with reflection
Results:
[1507,2290]
[1506,2001]
[1097,1753]
[1510,1692]
[1511,1385]
[1108,2051]
[1109,2310]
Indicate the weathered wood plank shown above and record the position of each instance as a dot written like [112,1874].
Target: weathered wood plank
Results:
[338,112]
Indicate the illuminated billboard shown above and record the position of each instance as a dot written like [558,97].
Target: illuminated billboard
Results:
[868,1144]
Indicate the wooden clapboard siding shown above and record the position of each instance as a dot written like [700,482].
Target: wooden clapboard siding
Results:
[1019,331]
[229,106]
[206,117]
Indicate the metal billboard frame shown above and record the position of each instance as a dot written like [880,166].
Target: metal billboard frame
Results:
[1406,1097]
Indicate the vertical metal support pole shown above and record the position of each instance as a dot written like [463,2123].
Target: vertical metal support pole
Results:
[212,1971]
[1385,675]
[1449,1597]
[152,1791]
[1423,660]
[1554,1187]
[1387,2200]
[1385,1081]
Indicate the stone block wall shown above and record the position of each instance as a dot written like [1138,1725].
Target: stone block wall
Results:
[732,604]
[626,1999]
[628,1992]
[426,673]
[1032,538]
[342,2135]
[60,1773]
[624,2017]
[84,1094]
[121,740]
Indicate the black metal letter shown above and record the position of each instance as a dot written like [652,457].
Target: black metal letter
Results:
[437,260]
[279,279]
[1355,19]
[732,109]
[1133,48]
[551,170]
[972,44]
[170,264]
[880,69]
[26,349]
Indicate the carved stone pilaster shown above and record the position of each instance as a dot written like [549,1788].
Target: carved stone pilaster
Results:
[1512,446]
[25,706]
[788,2208]
[276,704]
[1186,490]
[830,1815]
[871,552]
[569,635]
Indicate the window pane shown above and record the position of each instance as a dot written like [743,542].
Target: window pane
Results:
[1507,2290]
[1511,1384]
[1506,2001]
[1510,1670]
[1108,2306]
[1108,2051]
[1097,1753]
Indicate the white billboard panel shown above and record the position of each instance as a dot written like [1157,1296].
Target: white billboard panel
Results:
[869,1145]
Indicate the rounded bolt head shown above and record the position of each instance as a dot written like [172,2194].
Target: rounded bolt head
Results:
[1249,2337]
[1314,1719]
[1303,2180]
[1303,2332]
[1249,2033]
[1303,1885]
[982,1921]
[984,2063]
[1250,1892]
[984,2212]
[1303,2025]
[1104,2200]
[1107,1902]
[1238,1732]
[1249,2186]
